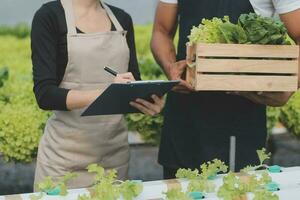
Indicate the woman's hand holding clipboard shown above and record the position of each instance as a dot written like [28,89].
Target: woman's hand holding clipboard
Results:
[129,96]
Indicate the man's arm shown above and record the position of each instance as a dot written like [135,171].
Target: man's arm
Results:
[291,21]
[162,45]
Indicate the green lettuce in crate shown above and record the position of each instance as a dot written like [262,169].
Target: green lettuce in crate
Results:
[251,29]
[218,30]
[263,30]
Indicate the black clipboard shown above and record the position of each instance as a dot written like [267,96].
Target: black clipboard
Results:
[115,99]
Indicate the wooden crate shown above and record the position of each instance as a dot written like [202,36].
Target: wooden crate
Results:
[239,67]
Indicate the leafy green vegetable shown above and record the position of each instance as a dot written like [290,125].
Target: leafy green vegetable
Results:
[233,33]
[265,195]
[263,30]
[263,156]
[231,188]
[199,182]
[235,187]
[109,188]
[251,28]
[176,194]
[265,178]
[187,173]
[49,185]
[211,169]
[201,185]
[208,31]
[129,190]
[149,127]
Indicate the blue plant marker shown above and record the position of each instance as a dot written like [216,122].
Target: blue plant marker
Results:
[212,177]
[54,192]
[272,187]
[274,169]
[197,195]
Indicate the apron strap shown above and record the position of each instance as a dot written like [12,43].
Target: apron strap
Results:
[69,12]
[112,17]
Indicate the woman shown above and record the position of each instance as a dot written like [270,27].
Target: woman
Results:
[72,40]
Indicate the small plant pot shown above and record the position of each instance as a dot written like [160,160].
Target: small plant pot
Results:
[275,169]
[212,177]
[54,192]
[197,195]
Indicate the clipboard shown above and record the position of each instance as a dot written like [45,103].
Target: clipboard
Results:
[116,98]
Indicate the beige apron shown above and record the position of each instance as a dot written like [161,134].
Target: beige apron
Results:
[71,142]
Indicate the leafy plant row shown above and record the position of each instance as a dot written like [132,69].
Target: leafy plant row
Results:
[234,186]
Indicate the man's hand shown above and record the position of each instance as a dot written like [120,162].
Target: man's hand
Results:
[274,99]
[175,72]
[163,48]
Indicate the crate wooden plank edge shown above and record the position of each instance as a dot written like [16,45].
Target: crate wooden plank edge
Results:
[245,83]
[247,66]
[247,51]
[191,76]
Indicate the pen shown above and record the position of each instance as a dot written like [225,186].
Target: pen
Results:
[112,72]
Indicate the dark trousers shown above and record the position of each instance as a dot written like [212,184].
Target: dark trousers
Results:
[170,173]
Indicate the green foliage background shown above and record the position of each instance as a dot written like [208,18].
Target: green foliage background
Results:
[22,122]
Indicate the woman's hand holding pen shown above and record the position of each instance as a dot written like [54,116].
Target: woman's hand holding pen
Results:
[124,78]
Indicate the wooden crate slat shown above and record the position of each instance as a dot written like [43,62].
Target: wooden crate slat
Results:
[245,83]
[247,66]
[248,51]
[191,75]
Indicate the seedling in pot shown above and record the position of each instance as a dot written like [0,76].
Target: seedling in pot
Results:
[52,188]
[176,194]
[107,187]
[263,156]
[202,182]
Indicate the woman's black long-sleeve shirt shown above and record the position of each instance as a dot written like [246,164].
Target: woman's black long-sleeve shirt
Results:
[50,54]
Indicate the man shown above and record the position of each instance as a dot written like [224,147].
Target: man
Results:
[199,126]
